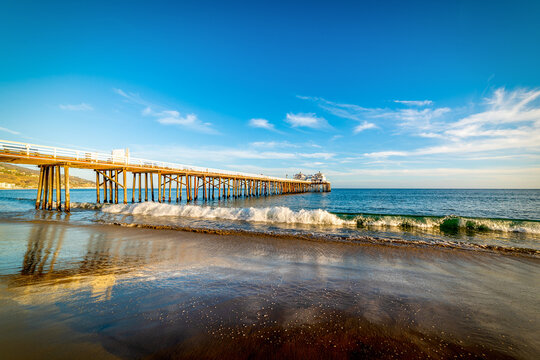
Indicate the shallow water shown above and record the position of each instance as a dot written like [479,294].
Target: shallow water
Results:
[121,292]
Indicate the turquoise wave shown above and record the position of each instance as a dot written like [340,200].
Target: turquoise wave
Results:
[449,223]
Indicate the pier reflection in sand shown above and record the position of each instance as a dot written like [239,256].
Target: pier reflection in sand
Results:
[109,291]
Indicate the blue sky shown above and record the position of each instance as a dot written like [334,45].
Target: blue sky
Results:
[379,94]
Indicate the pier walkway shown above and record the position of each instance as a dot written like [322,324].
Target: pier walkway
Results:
[112,177]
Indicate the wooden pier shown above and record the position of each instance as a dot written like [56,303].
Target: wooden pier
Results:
[112,174]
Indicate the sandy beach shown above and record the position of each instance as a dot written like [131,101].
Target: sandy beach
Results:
[116,292]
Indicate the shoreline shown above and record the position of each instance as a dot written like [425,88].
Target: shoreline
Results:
[359,240]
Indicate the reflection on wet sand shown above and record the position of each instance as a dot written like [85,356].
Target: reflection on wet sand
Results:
[170,294]
[40,246]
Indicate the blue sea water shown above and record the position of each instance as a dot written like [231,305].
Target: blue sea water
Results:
[488,218]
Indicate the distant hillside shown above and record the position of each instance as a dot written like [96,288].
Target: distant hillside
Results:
[17,177]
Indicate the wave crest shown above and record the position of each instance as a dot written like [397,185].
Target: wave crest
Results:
[448,223]
[319,217]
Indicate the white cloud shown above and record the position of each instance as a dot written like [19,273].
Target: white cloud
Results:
[173,117]
[430,135]
[413,119]
[346,111]
[309,120]
[147,111]
[166,116]
[76,107]
[414,102]
[364,126]
[273,144]
[318,155]
[261,123]
[121,92]
[505,107]
[9,131]
[509,121]
[408,119]
[383,154]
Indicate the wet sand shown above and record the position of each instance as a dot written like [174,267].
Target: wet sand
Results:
[116,292]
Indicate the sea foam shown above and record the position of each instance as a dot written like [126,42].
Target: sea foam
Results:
[275,214]
[318,217]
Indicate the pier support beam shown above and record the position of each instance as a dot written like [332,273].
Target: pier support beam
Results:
[97,187]
[50,188]
[152,185]
[58,190]
[124,178]
[66,184]
[40,187]
[145,186]
[159,187]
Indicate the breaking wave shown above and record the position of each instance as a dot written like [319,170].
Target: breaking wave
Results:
[276,214]
[448,223]
[319,217]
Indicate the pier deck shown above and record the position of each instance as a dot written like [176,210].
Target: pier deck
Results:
[112,175]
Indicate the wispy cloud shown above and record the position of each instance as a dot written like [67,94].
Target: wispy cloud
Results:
[9,131]
[121,92]
[346,111]
[413,120]
[414,102]
[364,126]
[408,119]
[173,117]
[76,107]
[309,120]
[262,123]
[509,120]
[226,154]
[167,116]
[273,144]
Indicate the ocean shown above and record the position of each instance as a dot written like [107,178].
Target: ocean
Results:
[507,220]
[354,273]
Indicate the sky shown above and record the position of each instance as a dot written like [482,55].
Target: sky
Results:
[381,94]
